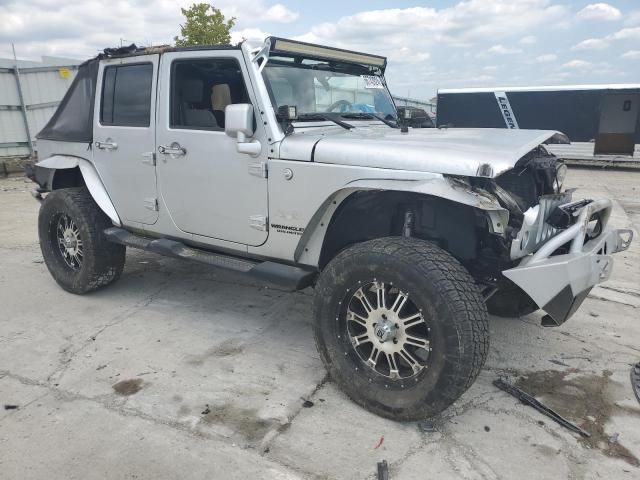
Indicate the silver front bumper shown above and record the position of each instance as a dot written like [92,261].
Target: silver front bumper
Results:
[559,283]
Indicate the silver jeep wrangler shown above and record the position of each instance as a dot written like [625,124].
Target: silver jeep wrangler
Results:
[289,162]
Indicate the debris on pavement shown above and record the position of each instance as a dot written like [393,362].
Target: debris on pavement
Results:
[383,470]
[380,442]
[531,401]
[635,380]
[587,396]
[206,410]
[307,404]
[11,407]
[427,426]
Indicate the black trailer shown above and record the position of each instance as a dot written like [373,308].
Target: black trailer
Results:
[602,121]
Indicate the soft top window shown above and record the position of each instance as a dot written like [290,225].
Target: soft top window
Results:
[73,120]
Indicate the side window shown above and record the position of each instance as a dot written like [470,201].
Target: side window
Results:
[126,95]
[201,89]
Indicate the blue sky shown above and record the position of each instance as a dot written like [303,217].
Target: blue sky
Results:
[430,45]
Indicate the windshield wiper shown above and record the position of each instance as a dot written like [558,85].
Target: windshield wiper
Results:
[368,116]
[322,116]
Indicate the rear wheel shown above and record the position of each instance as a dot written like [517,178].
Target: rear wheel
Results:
[74,248]
[401,326]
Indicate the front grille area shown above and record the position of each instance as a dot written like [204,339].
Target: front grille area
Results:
[535,230]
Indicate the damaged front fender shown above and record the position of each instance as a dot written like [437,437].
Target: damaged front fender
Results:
[449,188]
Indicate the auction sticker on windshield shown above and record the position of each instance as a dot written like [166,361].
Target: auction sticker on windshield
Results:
[371,81]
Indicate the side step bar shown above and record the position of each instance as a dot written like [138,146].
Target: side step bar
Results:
[285,276]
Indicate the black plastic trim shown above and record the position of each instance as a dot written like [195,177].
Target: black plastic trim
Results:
[561,307]
[288,277]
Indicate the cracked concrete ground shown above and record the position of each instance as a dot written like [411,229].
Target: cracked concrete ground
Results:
[180,371]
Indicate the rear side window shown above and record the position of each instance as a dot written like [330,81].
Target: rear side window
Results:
[126,95]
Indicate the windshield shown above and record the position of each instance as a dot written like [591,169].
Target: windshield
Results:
[327,87]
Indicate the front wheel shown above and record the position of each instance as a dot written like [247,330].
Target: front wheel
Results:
[401,326]
[74,248]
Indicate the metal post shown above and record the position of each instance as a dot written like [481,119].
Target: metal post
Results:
[23,107]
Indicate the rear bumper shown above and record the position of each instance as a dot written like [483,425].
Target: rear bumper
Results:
[559,283]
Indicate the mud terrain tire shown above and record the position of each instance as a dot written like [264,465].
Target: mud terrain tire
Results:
[439,288]
[71,214]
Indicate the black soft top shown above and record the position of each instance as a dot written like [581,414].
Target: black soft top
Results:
[73,120]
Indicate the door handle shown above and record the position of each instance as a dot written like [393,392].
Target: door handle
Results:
[173,149]
[106,145]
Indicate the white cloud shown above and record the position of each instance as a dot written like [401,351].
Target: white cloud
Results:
[599,12]
[557,76]
[631,33]
[502,50]
[252,35]
[427,47]
[632,18]
[547,58]
[631,55]
[280,13]
[591,44]
[626,34]
[460,25]
[484,78]
[68,27]
[409,55]
[577,65]
[458,37]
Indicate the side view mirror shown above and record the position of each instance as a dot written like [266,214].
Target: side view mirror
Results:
[238,124]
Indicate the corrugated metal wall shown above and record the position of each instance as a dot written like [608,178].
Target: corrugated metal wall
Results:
[584,151]
[42,89]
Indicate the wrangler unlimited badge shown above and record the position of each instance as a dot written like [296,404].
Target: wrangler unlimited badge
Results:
[287,229]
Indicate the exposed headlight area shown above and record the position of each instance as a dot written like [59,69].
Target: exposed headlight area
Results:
[536,174]
[561,173]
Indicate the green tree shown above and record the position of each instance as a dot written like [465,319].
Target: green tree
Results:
[204,25]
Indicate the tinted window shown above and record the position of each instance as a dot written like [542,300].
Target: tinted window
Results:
[201,89]
[126,95]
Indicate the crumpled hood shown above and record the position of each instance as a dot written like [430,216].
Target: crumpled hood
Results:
[453,151]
